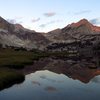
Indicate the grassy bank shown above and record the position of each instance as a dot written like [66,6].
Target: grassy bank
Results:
[8,78]
[18,59]
[11,58]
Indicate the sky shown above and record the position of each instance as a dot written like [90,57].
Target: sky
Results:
[47,15]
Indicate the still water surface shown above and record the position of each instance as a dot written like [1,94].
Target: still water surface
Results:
[47,85]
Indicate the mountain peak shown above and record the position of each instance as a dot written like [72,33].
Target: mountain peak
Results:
[82,22]
[87,24]
[19,26]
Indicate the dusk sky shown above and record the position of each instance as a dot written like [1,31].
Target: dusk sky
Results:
[46,15]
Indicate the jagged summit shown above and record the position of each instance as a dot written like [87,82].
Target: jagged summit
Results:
[19,26]
[81,22]
[85,23]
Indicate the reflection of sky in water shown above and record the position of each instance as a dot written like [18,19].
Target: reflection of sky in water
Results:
[46,85]
[96,79]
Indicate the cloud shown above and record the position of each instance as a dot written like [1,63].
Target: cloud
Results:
[18,17]
[49,14]
[95,21]
[12,21]
[36,83]
[49,23]
[50,89]
[42,25]
[82,12]
[35,20]
[20,22]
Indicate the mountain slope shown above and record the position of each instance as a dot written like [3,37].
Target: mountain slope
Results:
[18,36]
[73,32]
[83,27]
[82,32]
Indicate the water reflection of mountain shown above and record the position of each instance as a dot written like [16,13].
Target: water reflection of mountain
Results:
[82,68]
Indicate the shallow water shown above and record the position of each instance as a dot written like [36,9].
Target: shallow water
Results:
[47,85]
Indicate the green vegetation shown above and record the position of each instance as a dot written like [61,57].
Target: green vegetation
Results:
[8,78]
[18,59]
[58,54]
